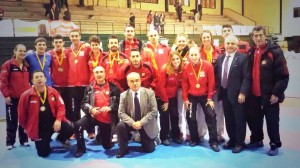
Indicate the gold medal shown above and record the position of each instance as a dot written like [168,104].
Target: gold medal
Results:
[120,62]
[42,108]
[76,61]
[107,92]
[111,71]
[197,85]
[60,69]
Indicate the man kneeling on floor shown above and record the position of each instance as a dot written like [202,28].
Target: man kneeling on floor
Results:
[138,112]
[41,112]
[100,104]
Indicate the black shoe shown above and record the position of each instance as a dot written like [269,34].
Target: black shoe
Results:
[221,138]
[273,150]
[253,145]
[215,147]
[166,142]
[177,140]
[121,154]
[228,145]
[192,144]
[79,153]
[237,149]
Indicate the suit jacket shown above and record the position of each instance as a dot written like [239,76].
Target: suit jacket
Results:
[148,110]
[239,77]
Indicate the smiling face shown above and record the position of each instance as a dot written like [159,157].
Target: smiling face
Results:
[231,44]
[206,38]
[176,61]
[95,46]
[194,55]
[153,36]
[181,42]
[20,51]
[129,33]
[40,47]
[113,45]
[75,37]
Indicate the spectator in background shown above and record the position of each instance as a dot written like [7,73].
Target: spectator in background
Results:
[200,11]
[156,21]
[54,12]
[162,23]
[67,14]
[1,13]
[149,19]
[178,8]
[132,20]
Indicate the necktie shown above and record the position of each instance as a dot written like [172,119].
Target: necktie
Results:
[137,108]
[225,73]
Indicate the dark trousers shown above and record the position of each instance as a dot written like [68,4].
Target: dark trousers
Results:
[12,124]
[255,119]
[166,116]
[210,119]
[84,123]
[73,104]
[123,131]
[43,145]
[235,119]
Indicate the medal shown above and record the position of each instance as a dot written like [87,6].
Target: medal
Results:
[197,85]
[76,61]
[60,69]
[111,71]
[197,76]
[75,54]
[107,92]
[42,108]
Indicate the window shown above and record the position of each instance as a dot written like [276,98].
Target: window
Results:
[183,2]
[208,3]
[297,12]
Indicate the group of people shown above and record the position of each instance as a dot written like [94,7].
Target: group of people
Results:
[156,22]
[124,90]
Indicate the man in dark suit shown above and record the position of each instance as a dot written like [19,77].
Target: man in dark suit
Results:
[138,112]
[233,85]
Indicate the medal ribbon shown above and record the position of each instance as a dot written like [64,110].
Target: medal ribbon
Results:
[77,53]
[42,65]
[95,62]
[60,60]
[44,96]
[198,74]
[112,59]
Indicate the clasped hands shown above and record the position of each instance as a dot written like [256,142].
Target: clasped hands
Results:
[97,110]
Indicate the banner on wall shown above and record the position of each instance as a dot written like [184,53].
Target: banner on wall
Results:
[20,28]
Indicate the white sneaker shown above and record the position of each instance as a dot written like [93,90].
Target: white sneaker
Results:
[25,144]
[9,147]
[115,138]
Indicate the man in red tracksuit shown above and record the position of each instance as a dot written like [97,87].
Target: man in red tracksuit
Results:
[79,74]
[130,42]
[155,52]
[146,71]
[198,86]
[243,45]
[41,112]
[113,60]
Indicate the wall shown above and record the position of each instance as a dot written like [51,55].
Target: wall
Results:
[290,25]
[235,5]
[266,13]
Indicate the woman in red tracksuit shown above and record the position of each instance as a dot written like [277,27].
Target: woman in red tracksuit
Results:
[168,84]
[198,86]
[14,80]
[210,52]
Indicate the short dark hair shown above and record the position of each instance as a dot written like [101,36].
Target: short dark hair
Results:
[259,28]
[57,37]
[40,39]
[134,49]
[36,71]
[227,26]
[95,39]
[113,36]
